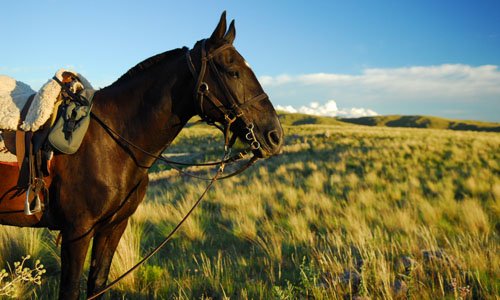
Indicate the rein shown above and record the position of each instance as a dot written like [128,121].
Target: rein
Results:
[173,164]
[230,116]
[165,241]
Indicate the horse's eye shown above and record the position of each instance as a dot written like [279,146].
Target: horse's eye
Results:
[234,74]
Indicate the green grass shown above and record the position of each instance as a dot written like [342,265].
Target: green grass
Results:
[424,122]
[289,119]
[345,211]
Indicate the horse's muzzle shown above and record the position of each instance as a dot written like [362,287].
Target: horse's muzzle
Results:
[271,144]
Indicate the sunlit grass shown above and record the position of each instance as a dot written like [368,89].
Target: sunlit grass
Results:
[128,253]
[345,211]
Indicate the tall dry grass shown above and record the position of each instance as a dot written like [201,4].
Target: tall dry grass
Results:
[345,212]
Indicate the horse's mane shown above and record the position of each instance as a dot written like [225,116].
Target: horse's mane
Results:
[147,63]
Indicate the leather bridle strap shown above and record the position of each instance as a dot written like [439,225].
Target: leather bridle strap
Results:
[202,90]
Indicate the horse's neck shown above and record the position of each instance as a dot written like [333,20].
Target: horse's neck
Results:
[149,109]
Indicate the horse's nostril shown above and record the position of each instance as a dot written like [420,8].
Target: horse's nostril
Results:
[274,138]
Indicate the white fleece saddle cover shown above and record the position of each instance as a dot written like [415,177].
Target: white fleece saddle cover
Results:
[14,95]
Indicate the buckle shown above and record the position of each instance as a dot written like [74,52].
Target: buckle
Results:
[203,88]
[229,119]
[255,145]
[250,136]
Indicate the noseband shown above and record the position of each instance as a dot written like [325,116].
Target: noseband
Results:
[234,110]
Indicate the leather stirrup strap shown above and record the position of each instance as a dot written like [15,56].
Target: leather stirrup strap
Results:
[21,135]
[20,147]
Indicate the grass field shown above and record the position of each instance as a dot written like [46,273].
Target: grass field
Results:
[346,212]
[424,122]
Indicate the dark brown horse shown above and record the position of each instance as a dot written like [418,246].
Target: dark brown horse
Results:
[95,191]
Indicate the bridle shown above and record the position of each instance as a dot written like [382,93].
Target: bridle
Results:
[236,108]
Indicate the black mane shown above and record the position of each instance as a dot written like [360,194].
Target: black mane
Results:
[148,62]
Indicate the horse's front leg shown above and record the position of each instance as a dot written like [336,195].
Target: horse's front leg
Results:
[108,236]
[73,252]
[103,249]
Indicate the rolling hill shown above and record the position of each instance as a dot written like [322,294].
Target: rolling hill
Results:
[424,122]
[289,119]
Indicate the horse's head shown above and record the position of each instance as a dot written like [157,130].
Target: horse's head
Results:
[228,92]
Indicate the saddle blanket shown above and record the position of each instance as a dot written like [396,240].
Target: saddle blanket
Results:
[14,95]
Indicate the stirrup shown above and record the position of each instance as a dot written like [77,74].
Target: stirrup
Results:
[38,204]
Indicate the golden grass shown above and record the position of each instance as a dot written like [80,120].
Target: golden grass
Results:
[128,253]
[346,211]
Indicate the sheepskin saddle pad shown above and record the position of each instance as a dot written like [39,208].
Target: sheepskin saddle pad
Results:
[14,95]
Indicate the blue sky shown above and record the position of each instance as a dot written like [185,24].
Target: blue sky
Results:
[343,58]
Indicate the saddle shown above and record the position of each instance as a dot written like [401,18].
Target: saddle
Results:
[31,160]
[62,133]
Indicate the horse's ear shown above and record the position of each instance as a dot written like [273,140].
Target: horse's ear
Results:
[219,31]
[231,33]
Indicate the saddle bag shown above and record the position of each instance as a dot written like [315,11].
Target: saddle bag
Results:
[72,122]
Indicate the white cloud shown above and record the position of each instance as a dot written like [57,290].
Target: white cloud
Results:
[329,109]
[278,80]
[471,91]
[287,108]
